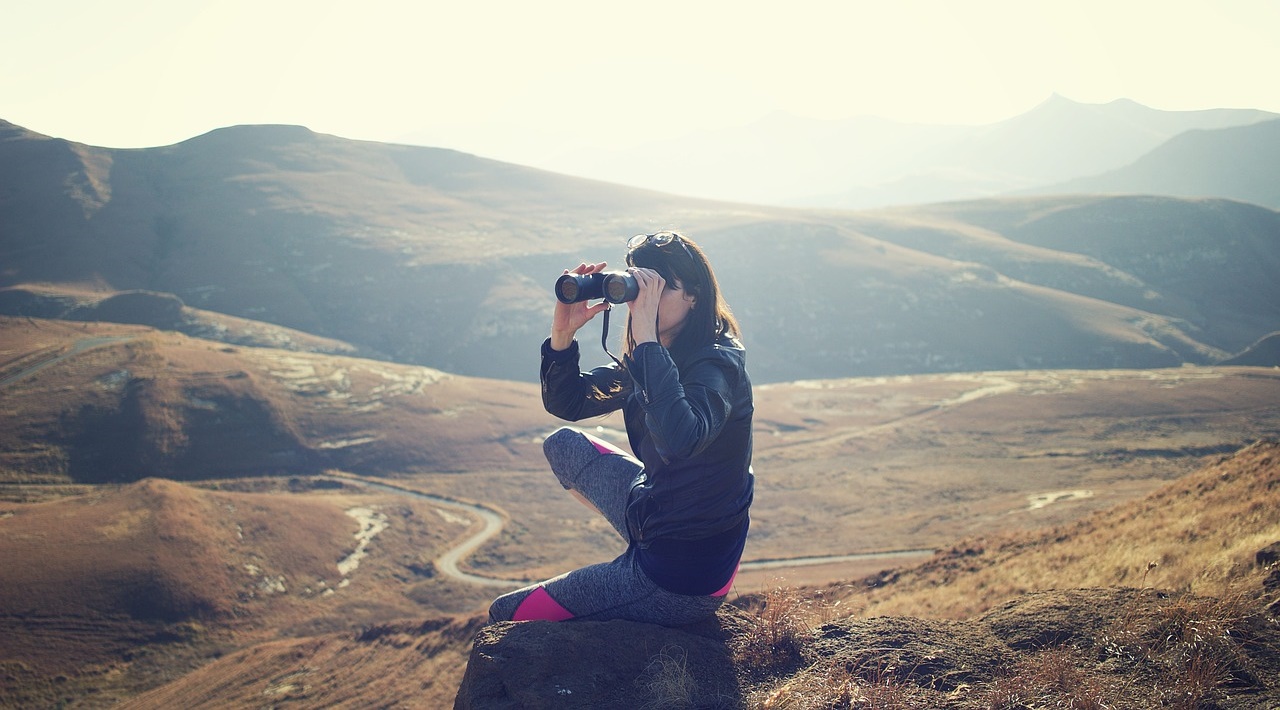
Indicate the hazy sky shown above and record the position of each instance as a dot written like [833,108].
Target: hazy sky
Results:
[525,81]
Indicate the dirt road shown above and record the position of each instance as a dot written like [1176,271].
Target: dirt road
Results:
[52,356]
[492,523]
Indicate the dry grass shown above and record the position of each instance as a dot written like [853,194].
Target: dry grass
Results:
[1181,648]
[837,686]
[1194,645]
[773,642]
[1201,531]
[667,681]
[1055,678]
[1161,651]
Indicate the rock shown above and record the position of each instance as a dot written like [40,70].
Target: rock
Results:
[1268,556]
[1068,647]
[1272,582]
[606,664]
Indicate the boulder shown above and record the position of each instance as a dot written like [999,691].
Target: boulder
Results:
[600,664]
[1268,556]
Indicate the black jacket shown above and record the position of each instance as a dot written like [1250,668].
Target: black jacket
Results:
[691,428]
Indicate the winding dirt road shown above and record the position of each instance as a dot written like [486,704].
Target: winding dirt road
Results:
[53,356]
[493,521]
[491,525]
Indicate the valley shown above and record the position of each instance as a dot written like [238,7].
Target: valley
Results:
[854,476]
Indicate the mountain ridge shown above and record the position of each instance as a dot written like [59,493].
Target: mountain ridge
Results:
[1235,162]
[866,162]
[439,258]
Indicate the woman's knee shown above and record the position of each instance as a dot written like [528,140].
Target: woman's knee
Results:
[504,607]
[561,441]
[568,451]
[528,604]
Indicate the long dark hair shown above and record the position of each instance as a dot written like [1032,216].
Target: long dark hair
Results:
[710,319]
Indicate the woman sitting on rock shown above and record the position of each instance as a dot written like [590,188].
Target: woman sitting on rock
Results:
[682,502]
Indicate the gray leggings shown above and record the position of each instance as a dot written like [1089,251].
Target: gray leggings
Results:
[603,474]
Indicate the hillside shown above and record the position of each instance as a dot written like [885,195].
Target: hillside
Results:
[441,259]
[1174,262]
[844,466]
[1123,644]
[91,402]
[942,456]
[1238,162]
[118,589]
[1200,534]
[409,664]
[162,311]
[147,579]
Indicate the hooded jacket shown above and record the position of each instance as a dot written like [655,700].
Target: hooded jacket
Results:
[689,426]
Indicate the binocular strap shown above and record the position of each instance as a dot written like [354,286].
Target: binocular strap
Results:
[604,336]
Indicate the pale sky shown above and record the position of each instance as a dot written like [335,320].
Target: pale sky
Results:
[525,81]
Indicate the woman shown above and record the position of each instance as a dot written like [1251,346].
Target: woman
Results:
[682,507]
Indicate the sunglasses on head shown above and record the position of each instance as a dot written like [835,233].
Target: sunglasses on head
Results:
[658,239]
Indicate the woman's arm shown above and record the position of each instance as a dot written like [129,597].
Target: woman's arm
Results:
[566,392]
[570,317]
[683,418]
[573,395]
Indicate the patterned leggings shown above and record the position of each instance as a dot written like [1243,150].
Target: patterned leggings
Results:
[603,474]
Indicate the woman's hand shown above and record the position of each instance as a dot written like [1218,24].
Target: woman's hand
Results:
[644,310]
[570,317]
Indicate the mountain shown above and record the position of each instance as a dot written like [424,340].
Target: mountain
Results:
[869,162]
[1241,162]
[436,258]
[101,585]
[132,402]
[1062,138]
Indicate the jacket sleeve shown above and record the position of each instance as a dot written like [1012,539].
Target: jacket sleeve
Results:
[684,418]
[571,394]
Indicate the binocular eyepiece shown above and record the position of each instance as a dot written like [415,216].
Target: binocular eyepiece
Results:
[612,286]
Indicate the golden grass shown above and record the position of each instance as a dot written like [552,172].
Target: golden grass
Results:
[1197,643]
[779,621]
[1160,651]
[1055,678]
[1176,649]
[1201,532]
[667,682]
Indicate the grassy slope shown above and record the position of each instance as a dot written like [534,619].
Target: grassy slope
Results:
[1199,534]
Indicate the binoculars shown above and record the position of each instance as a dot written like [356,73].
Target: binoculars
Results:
[612,286]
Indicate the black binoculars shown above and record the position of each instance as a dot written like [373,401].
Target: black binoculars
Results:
[612,286]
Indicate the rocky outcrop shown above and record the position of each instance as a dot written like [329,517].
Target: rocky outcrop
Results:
[596,665]
[1124,648]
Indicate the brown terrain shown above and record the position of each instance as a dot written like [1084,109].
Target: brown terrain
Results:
[157,578]
[1141,606]
[270,437]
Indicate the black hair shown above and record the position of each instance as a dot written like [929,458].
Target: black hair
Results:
[683,260]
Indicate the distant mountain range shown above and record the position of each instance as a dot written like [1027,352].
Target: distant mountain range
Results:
[869,162]
[1241,162]
[434,257]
